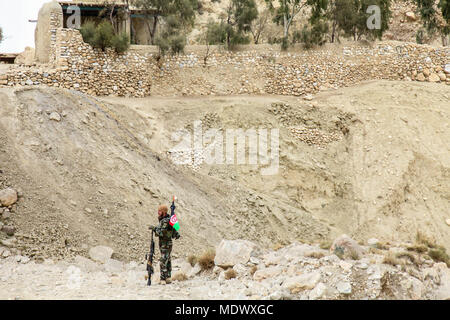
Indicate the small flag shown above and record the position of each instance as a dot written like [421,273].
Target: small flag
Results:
[174,222]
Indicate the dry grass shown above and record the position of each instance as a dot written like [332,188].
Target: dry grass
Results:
[435,251]
[253,270]
[382,246]
[354,255]
[419,248]
[392,259]
[192,259]
[230,274]
[425,240]
[375,250]
[326,245]
[411,257]
[316,255]
[206,260]
[277,246]
[439,255]
[179,276]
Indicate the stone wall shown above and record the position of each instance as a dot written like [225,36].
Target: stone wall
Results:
[303,72]
[76,65]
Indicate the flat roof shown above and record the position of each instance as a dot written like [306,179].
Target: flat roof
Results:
[91,3]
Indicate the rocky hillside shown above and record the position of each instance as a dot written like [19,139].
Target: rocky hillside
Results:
[403,25]
[239,270]
[369,161]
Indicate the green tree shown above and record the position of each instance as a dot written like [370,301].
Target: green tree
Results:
[239,16]
[120,42]
[1,35]
[259,25]
[286,12]
[351,16]
[102,36]
[315,32]
[158,10]
[171,37]
[435,18]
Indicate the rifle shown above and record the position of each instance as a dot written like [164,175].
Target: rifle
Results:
[172,207]
[149,258]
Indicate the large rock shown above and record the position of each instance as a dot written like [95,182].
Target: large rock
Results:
[344,287]
[443,291]
[447,68]
[231,252]
[302,282]
[85,264]
[42,33]
[318,292]
[8,197]
[346,248]
[194,271]
[9,230]
[101,253]
[114,266]
[267,273]
[434,78]
[410,16]
[26,57]
[296,251]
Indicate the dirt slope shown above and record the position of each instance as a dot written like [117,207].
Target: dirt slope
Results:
[370,161]
[91,179]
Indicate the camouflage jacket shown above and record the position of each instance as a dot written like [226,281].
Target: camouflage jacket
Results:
[165,231]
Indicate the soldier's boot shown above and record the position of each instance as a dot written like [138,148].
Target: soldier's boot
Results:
[168,281]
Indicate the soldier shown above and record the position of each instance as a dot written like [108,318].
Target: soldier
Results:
[166,233]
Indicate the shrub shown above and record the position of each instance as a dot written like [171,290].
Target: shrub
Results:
[315,255]
[121,42]
[179,276]
[163,45]
[192,259]
[103,35]
[425,240]
[216,33]
[420,38]
[439,255]
[206,260]
[391,259]
[88,32]
[409,256]
[177,43]
[419,248]
[315,35]
[325,244]
[230,274]
[172,38]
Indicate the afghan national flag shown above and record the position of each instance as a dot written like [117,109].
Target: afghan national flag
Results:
[174,222]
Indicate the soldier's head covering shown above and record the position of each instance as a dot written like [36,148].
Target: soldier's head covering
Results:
[163,209]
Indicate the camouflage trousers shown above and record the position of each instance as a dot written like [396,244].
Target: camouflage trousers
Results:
[165,263]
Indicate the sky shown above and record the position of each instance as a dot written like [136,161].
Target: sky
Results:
[17,31]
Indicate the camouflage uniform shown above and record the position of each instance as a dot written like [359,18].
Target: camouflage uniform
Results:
[165,232]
